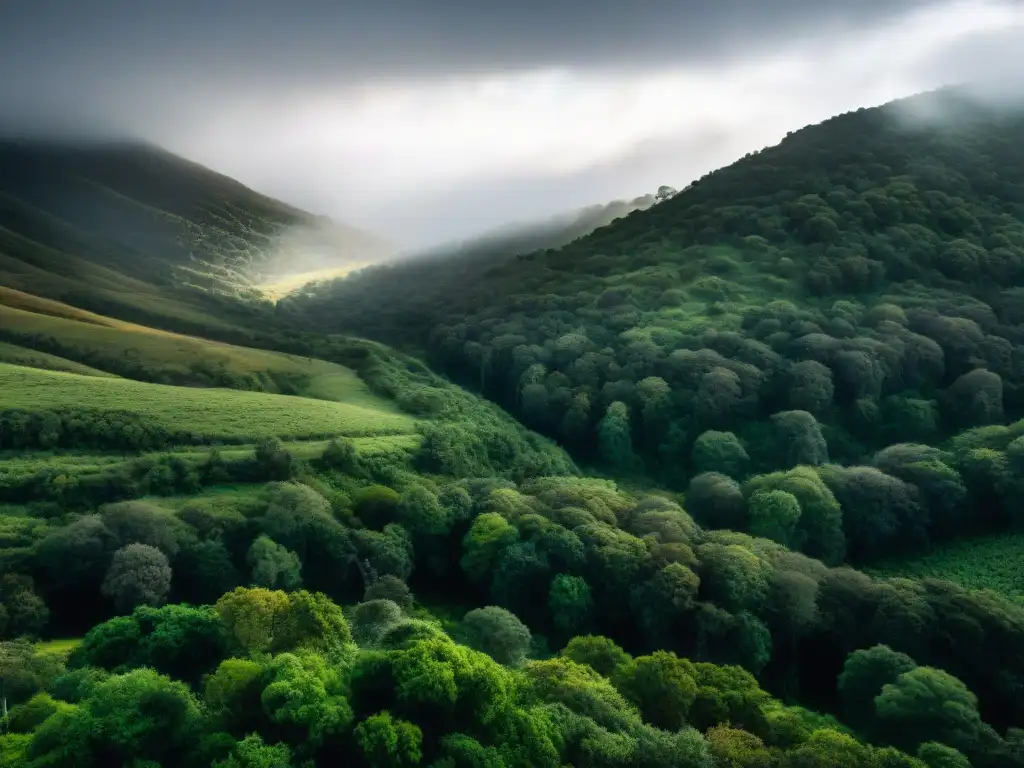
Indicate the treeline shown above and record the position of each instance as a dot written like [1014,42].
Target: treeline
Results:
[569,557]
[278,679]
[77,427]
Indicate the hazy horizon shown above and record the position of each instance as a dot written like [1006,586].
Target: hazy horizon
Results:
[431,124]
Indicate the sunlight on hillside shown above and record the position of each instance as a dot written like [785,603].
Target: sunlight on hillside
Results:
[282,286]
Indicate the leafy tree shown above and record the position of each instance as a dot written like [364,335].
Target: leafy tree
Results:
[864,675]
[716,501]
[273,462]
[810,387]
[774,515]
[251,752]
[820,533]
[800,438]
[22,612]
[273,566]
[138,716]
[204,571]
[391,588]
[305,696]
[255,618]
[372,618]
[923,702]
[665,599]
[936,755]
[340,454]
[662,686]
[497,633]
[377,505]
[881,513]
[421,513]
[734,748]
[232,695]
[489,535]
[138,575]
[720,452]
[570,604]
[976,398]
[388,742]
[732,576]
[139,522]
[597,652]
[615,440]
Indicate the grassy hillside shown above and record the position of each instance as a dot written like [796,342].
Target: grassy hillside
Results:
[150,354]
[15,355]
[153,217]
[217,414]
[989,562]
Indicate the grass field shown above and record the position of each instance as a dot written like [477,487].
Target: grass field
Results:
[989,562]
[60,647]
[217,414]
[158,350]
[15,355]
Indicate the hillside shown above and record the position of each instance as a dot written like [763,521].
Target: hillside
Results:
[124,224]
[232,536]
[417,285]
[854,286]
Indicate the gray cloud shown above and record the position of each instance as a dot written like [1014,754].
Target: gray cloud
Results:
[429,120]
[76,64]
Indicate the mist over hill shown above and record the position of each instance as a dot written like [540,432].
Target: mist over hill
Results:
[86,210]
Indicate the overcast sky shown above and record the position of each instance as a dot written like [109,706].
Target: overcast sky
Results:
[431,119]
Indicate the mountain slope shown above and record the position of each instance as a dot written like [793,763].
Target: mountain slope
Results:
[418,285]
[117,215]
[884,249]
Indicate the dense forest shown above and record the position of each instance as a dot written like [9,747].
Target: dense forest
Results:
[730,404]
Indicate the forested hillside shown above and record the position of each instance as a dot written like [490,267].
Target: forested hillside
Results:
[853,287]
[419,284]
[269,544]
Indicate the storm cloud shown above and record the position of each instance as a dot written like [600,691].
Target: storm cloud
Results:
[431,120]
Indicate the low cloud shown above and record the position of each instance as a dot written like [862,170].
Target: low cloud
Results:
[427,126]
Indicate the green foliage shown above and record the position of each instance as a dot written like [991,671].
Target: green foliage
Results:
[570,604]
[497,633]
[662,686]
[251,752]
[719,452]
[138,575]
[599,653]
[140,715]
[389,743]
[864,675]
[177,415]
[305,696]
[273,566]
[390,588]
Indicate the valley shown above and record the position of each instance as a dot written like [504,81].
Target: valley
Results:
[722,478]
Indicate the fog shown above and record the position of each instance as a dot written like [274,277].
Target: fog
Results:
[433,122]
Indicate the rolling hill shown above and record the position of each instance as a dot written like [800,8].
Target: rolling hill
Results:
[130,226]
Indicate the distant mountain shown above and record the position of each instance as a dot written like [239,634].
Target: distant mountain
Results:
[420,285]
[128,218]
